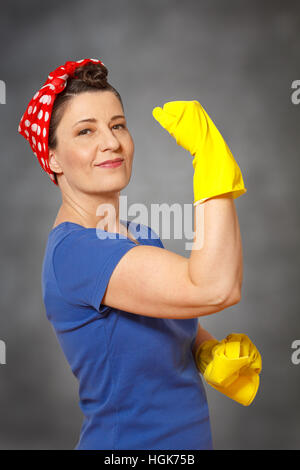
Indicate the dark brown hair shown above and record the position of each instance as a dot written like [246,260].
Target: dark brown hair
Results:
[89,77]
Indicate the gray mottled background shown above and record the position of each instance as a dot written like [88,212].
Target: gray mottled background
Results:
[238,58]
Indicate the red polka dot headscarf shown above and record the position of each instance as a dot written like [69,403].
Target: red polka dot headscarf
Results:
[34,124]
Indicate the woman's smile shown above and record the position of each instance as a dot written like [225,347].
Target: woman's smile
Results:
[111,164]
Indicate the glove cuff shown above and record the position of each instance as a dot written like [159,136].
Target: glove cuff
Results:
[228,181]
[203,354]
[243,390]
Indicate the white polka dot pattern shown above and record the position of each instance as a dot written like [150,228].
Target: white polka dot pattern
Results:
[37,116]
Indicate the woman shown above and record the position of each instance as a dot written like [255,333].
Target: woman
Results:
[126,318]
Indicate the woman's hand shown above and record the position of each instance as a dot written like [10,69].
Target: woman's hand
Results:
[185,121]
[231,366]
[216,171]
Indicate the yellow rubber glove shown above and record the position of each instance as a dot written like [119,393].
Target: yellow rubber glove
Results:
[231,366]
[215,169]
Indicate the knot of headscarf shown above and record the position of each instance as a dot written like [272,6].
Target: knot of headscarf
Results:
[34,124]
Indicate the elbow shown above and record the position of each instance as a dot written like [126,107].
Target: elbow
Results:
[235,298]
[228,298]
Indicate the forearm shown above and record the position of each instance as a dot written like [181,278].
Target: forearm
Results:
[216,257]
[201,336]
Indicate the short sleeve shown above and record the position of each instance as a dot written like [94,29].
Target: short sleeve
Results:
[83,264]
[155,236]
[145,233]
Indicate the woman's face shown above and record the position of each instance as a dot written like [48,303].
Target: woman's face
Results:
[93,129]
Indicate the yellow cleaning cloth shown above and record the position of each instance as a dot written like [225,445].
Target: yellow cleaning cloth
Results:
[231,366]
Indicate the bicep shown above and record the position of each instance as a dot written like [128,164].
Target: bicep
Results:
[155,282]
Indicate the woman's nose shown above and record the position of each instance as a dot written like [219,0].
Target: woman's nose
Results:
[108,140]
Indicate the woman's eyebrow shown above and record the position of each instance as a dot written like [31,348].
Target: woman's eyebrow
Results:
[117,116]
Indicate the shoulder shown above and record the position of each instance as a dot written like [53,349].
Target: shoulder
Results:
[145,233]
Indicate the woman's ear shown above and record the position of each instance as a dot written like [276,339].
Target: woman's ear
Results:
[53,163]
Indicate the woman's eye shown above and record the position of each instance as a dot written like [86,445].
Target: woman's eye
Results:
[83,131]
[87,130]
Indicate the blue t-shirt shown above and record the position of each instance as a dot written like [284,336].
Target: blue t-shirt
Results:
[139,387]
